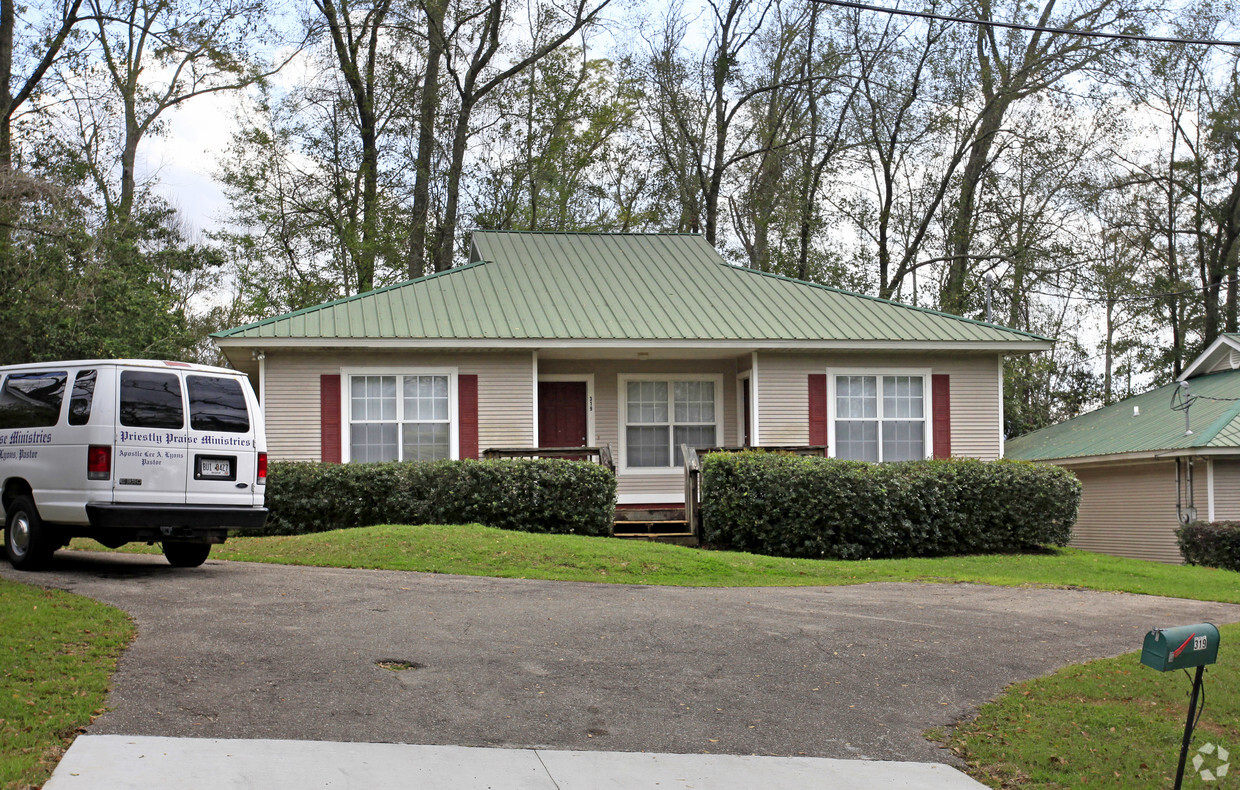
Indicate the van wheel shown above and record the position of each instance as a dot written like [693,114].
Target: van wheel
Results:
[27,541]
[186,555]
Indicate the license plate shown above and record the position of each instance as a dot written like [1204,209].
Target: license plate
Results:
[209,468]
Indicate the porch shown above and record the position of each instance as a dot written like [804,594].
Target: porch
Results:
[681,524]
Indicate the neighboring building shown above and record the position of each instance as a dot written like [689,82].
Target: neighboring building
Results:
[637,341]
[1141,468]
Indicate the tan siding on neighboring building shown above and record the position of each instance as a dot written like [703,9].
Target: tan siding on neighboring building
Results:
[1129,510]
[644,487]
[505,394]
[1226,490]
[975,394]
[1226,362]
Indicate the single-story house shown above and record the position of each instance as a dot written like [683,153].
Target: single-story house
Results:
[640,342]
[1152,461]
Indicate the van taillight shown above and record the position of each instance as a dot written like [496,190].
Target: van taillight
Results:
[99,462]
[262,468]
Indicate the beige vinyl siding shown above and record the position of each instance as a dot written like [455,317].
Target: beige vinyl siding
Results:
[505,394]
[783,394]
[1129,510]
[1229,361]
[644,487]
[1226,491]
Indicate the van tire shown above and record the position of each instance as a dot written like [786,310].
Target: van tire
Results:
[186,555]
[28,542]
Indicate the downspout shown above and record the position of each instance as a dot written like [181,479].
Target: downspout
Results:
[261,356]
[1185,511]
[1210,488]
[754,411]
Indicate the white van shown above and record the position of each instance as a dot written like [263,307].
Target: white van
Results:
[128,450]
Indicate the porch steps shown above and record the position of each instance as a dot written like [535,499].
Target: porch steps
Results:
[664,525]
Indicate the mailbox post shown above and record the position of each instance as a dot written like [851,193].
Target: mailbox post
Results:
[1185,646]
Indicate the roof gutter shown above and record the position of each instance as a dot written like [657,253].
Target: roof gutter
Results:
[1024,347]
[1147,455]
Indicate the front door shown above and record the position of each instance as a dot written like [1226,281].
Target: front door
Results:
[562,414]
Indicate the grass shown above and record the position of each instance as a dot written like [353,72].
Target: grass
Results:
[57,653]
[1107,724]
[481,551]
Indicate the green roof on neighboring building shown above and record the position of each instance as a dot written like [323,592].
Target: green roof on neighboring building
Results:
[522,286]
[1114,430]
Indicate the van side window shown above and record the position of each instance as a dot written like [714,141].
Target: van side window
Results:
[32,400]
[83,395]
[216,404]
[151,400]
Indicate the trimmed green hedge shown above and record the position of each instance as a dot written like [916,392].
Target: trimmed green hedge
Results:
[792,506]
[1212,544]
[545,495]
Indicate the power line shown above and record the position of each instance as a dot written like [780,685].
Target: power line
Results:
[1035,28]
[1125,299]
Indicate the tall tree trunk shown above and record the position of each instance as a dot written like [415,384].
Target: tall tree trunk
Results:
[429,105]
[8,19]
[955,285]
[129,158]
[447,231]
[357,66]
[1108,362]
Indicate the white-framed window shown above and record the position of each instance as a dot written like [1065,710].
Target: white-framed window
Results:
[400,416]
[879,415]
[660,413]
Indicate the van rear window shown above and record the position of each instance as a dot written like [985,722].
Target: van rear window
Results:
[216,404]
[151,400]
[32,400]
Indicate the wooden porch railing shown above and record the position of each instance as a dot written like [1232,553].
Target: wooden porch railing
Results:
[693,475]
[600,455]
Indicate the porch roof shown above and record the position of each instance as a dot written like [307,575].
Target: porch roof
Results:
[523,288]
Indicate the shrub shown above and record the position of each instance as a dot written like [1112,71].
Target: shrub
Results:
[1212,544]
[547,495]
[793,506]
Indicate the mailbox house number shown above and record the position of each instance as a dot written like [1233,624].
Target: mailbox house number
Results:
[1199,643]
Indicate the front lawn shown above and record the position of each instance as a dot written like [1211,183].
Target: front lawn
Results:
[57,654]
[481,551]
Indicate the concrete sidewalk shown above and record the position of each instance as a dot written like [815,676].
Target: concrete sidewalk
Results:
[120,762]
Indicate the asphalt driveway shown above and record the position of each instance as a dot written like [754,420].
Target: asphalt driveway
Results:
[237,650]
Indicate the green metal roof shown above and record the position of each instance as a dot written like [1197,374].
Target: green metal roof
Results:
[607,287]
[1113,429]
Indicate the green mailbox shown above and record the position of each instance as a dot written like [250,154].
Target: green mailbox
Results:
[1181,647]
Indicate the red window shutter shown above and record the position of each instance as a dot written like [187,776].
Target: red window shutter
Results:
[467,414]
[818,409]
[329,418]
[941,392]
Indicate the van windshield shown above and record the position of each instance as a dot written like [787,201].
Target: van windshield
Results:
[151,400]
[217,404]
[32,400]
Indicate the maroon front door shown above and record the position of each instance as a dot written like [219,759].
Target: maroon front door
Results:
[562,414]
